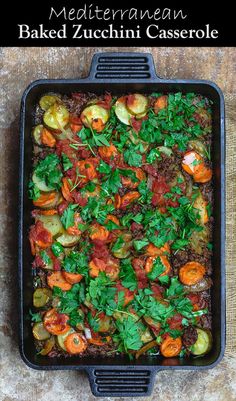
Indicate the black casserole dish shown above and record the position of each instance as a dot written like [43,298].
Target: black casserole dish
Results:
[122,73]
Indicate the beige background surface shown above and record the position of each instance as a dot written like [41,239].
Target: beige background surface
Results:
[18,67]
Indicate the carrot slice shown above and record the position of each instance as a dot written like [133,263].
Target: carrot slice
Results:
[152,250]
[65,189]
[96,266]
[140,175]
[191,273]
[171,347]
[56,323]
[117,202]
[75,343]
[47,138]
[129,198]
[99,341]
[160,103]
[74,230]
[72,278]
[112,218]
[192,162]
[106,152]
[99,232]
[164,261]
[49,212]
[98,124]
[46,199]
[202,175]
[56,279]
[75,128]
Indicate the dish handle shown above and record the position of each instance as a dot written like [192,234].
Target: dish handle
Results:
[121,382]
[118,66]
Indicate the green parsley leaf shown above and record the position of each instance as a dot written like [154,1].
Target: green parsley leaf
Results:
[33,191]
[93,322]
[112,183]
[118,244]
[139,244]
[128,336]
[146,194]
[66,162]
[35,317]
[57,249]
[157,269]
[48,171]
[76,262]
[175,288]
[68,216]
[45,257]
[153,155]
[104,168]
[132,158]
[180,244]
[127,275]
[164,280]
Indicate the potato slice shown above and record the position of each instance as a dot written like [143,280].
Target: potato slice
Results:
[68,240]
[36,133]
[41,297]
[61,338]
[121,111]
[137,104]
[93,113]
[52,224]
[47,101]
[39,332]
[56,117]
[203,343]
[146,336]
[40,184]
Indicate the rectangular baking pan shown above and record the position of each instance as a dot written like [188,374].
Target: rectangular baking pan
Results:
[121,73]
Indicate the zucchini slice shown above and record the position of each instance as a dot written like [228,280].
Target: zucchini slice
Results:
[203,343]
[40,184]
[52,224]
[41,297]
[93,113]
[61,338]
[124,251]
[48,346]
[47,101]
[198,146]
[137,104]
[198,240]
[39,332]
[36,133]
[121,111]
[201,206]
[68,240]
[165,150]
[56,117]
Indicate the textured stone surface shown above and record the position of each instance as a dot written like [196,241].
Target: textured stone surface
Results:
[18,67]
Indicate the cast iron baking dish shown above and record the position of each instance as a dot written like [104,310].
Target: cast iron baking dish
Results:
[121,73]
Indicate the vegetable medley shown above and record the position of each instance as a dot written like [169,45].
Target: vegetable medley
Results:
[121,240]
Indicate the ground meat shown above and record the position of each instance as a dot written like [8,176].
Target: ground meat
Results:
[205,321]
[188,255]
[43,277]
[190,336]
